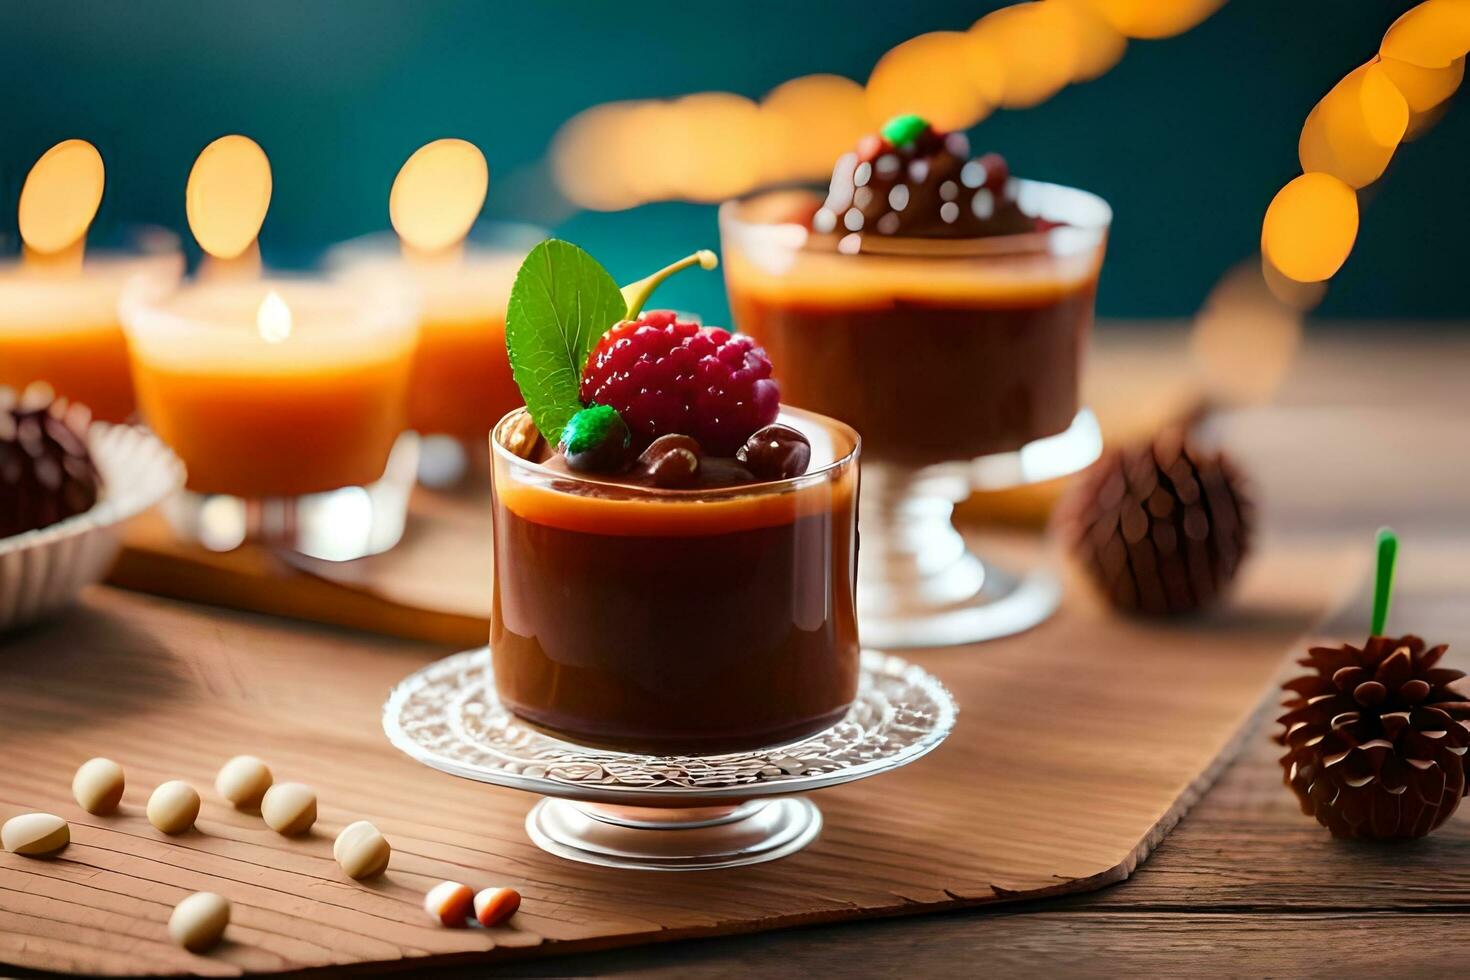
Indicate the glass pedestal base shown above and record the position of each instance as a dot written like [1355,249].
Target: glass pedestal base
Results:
[919,584]
[655,839]
[664,813]
[336,525]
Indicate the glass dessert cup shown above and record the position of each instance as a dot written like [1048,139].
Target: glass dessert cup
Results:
[61,326]
[295,440]
[677,621]
[461,383]
[957,359]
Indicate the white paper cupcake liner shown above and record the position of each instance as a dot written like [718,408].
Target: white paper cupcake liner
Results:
[42,571]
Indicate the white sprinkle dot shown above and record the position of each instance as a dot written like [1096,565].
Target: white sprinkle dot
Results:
[887,165]
[862,197]
[950,212]
[949,190]
[898,197]
[888,224]
[863,174]
[853,220]
[919,171]
[972,174]
[850,244]
[983,204]
[824,221]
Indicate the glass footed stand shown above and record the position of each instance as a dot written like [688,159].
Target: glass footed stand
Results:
[919,584]
[664,813]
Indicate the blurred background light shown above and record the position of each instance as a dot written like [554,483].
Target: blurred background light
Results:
[1353,132]
[1188,134]
[1310,227]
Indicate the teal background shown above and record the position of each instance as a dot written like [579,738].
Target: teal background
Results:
[1188,137]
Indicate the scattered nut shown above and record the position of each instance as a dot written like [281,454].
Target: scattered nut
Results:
[35,834]
[243,781]
[522,438]
[198,922]
[449,902]
[361,850]
[494,905]
[289,808]
[98,785]
[671,460]
[173,807]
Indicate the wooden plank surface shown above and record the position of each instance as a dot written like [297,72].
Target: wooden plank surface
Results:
[1079,745]
[1245,886]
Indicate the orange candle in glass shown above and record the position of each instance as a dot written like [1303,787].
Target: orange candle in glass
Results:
[59,311]
[275,388]
[461,383]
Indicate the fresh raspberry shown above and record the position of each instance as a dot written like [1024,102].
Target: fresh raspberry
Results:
[666,375]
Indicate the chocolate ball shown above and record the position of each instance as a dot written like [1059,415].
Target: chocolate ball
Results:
[776,452]
[596,440]
[671,461]
[46,471]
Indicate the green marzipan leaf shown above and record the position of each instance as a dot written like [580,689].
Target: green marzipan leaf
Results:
[561,304]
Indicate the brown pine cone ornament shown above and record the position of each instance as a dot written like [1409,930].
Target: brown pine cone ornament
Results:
[1160,528]
[1376,739]
[46,472]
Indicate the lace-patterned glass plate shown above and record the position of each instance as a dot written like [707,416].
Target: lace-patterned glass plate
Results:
[447,716]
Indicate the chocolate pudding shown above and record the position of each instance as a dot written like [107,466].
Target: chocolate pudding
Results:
[674,607]
[923,281]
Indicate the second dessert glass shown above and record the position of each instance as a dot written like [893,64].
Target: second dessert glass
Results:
[677,621]
[958,360]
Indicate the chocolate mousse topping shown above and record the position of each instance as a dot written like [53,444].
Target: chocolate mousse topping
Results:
[911,181]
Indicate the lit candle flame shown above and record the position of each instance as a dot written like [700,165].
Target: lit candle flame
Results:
[273,320]
[59,200]
[437,196]
[228,195]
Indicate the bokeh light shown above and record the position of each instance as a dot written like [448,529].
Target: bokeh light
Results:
[1432,35]
[1154,19]
[585,157]
[1424,89]
[228,196]
[811,121]
[1100,45]
[715,145]
[929,75]
[721,149]
[60,197]
[1039,48]
[438,194]
[1310,227]
[1353,132]
[1245,337]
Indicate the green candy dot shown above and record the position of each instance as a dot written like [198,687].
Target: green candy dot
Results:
[589,428]
[903,130]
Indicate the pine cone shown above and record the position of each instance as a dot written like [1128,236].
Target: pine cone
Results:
[1376,739]
[46,472]
[1160,528]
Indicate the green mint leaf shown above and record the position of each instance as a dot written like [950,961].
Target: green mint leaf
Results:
[560,305]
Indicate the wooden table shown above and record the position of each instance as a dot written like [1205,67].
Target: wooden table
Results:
[1245,885]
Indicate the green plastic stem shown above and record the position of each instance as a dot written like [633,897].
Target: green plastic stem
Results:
[1388,551]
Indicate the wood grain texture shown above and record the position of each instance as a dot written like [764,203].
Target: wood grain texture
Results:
[1079,745]
[1244,886]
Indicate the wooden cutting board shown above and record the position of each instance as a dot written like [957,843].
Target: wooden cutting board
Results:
[1079,745]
